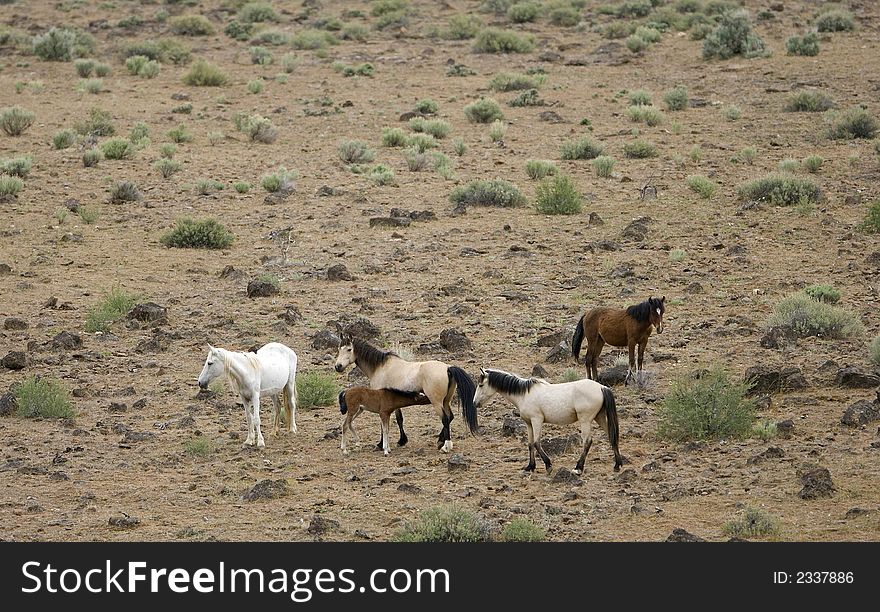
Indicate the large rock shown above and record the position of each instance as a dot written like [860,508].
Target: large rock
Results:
[457,463]
[779,336]
[558,445]
[613,376]
[680,535]
[765,379]
[861,413]
[559,353]
[267,489]
[325,339]
[817,483]
[455,341]
[557,337]
[566,476]
[67,340]
[148,312]
[14,360]
[7,403]
[338,272]
[854,378]
[14,324]
[637,229]
[320,525]
[512,427]
[353,325]
[261,288]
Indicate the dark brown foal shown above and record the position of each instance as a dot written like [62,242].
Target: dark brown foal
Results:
[629,327]
[380,401]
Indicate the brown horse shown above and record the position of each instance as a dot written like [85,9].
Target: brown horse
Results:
[379,401]
[618,327]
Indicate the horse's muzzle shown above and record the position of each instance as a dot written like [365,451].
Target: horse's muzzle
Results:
[660,328]
[338,368]
[203,385]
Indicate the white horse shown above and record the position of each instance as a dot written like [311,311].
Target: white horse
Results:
[269,372]
[561,404]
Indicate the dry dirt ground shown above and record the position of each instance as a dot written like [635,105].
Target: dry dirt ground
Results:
[503,277]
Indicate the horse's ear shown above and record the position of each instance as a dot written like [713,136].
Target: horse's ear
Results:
[482,371]
[663,300]
[211,348]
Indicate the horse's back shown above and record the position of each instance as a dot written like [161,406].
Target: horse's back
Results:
[277,364]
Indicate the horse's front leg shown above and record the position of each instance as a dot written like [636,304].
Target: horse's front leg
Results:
[261,442]
[587,435]
[385,417]
[346,423]
[642,345]
[632,359]
[531,466]
[536,427]
[250,421]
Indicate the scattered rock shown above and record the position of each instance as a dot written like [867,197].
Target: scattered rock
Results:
[338,272]
[7,403]
[392,222]
[774,452]
[410,115]
[409,488]
[267,489]
[325,339]
[694,288]
[67,340]
[558,445]
[326,190]
[14,360]
[854,378]
[556,337]
[512,427]
[613,376]
[559,353]
[291,315]
[767,379]
[861,413]
[124,522]
[230,273]
[117,407]
[538,371]
[779,336]
[566,476]
[785,429]
[320,525]
[455,341]
[15,324]
[5,269]
[680,535]
[148,312]
[595,219]
[357,326]
[261,288]
[817,484]
[137,436]
[550,57]
[457,463]
[637,229]
[415,215]
[550,117]
[623,271]
[856,512]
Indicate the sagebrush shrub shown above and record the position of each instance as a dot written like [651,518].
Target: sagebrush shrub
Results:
[167,166]
[198,234]
[522,530]
[706,405]
[701,185]
[564,16]
[355,152]
[809,317]
[639,149]
[871,224]
[311,40]
[647,114]
[14,120]
[281,180]
[540,168]
[435,127]
[603,166]
[676,99]
[835,20]
[508,81]
[113,307]
[84,67]
[813,163]
[854,122]
[494,40]
[63,139]
[203,74]
[636,44]
[99,123]
[807,45]
[117,148]
[753,523]
[488,193]
[462,27]
[56,45]
[639,97]
[581,148]
[484,110]
[91,157]
[179,134]
[257,127]
[257,12]
[43,398]
[809,102]
[445,524]
[875,350]
[191,25]
[381,174]
[558,195]
[10,186]
[17,166]
[427,106]
[528,97]
[124,191]
[733,36]
[780,190]
[823,293]
[393,137]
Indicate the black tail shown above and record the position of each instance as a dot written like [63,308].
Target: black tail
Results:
[610,408]
[466,391]
[343,407]
[577,340]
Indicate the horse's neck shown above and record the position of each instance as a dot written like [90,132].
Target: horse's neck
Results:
[238,366]
[370,372]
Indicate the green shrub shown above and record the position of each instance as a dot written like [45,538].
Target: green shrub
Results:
[179,134]
[581,148]
[497,130]
[733,36]
[17,166]
[528,97]
[311,40]
[780,190]
[706,405]
[522,530]
[117,148]
[789,165]
[753,523]
[167,167]
[91,157]
[191,25]
[238,30]
[315,389]
[168,149]
[172,51]
[354,31]
[280,180]
[603,166]
[488,193]
[871,224]
[875,350]
[257,127]
[813,163]
[523,12]
[618,29]
[257,12]
[493,40]
[835,20]
[84,67]
[732,112]
[124,191]
[427,107]
[639,97]
[393,137]
[852,123]
[88,214]
[102,70]
[289,63]
[113,307]
[203,74]
[355,152]
[134,63]
[647,114]
[199,446]
[676,99]
[484,110]
[808,45]
[207,186]
[10,186]
[435,127]
[639,149]
[636,44]
[416,161]
[765,430]
[444,524]
[63,139]
[564,16]
[809,102]
[557,195]
[14,120]
[746,155]
[823,293]
[507,81]
[381,175]
[203,234]
[808,317]
[99,123]
[39,397]
[261,56]
[540,168]
[56,45]
[139,133]
[255,86]
[701,185]
[462,27]
[92,86]
[241,186]
[459,147]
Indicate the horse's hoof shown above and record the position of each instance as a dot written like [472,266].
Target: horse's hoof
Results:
[403,440]
[529,468]
[387,453]
[576,471]
[248,442]
[548,468]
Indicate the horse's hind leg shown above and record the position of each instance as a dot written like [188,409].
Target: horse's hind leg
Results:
[398,414]
[290,405]
[593,351]
[531,466]
[385,417]
[261,442]
[277,424]
[587,435]
[536,426]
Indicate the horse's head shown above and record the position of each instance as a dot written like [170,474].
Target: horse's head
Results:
[484,389]
[346,354]
[213,367]
[658,307]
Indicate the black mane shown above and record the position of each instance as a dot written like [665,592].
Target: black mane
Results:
[368,355]
[509,383]
[642,312]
